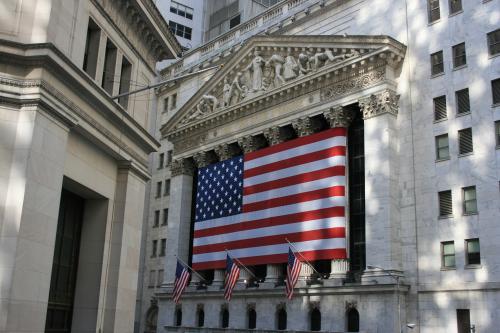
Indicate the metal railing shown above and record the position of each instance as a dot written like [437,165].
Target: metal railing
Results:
[178,329]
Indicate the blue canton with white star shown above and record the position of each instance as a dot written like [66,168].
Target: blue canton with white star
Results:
[220,189]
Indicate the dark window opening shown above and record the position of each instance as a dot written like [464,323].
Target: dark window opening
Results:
[459,56]
[440,108]
[252,318]
[463,103]
[125,76]
[234,21]
[437,65]
[494,42]
[433,10]
[225,318]
[465,141]
[201,318]
[463,321]
[455,6]
[315,320]
[445,204]
[180,30]
[473,253]
[108,76]
[178,317]
[353,320]
[282,318]
[91,49]
[495,91]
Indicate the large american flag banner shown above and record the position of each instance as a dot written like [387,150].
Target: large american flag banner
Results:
[251,204]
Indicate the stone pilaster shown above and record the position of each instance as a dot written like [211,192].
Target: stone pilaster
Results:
[218,280]
[273,135]
[224,152]
[338,117]
[248,144]
[383,242]
[302,126]
[179,216]
[201,159]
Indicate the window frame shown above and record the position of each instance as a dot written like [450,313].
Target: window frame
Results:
[163,247]
[455,11]
[497,133]
[158,189]
[464,91]
[444,255]
[161,160]
[440,194]
[464,201]
[154,252]
[164,221]
[495,84]
[152,278]
[456,57]
[495,44]
[156,219]
[460,135]
[467,252]
[430,11]
[440,64]
[438,148]
[166,188]
[436,103]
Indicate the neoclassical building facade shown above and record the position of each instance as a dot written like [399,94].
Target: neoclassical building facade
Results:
[418,95]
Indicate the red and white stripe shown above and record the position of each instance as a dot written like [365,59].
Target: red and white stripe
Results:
[294,190]
[231,280]
[292,277]
[180,284]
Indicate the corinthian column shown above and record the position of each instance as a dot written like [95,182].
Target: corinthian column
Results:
[179,216]
[302,126]
[383,247]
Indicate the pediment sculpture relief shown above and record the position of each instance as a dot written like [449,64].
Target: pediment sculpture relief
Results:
[263,73]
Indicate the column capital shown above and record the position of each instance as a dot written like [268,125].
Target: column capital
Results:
[380,103]
[181,167]
[273,135]
[201,159]
[248,144]
[337,116]
[302,126]
[224,151]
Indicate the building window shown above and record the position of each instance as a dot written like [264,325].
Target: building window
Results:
[455,6]
[465,141]
[167,187]
[448,254]
[181,10]
[153,249]
[125,77]
[495,91]
[224,318]
[281,319]
[157,219]
[161,160]
[173,103]
[108,75]
[442,147]
[200,317]
[433,10]
[445,204]
[252,318]
[91,48]
[440,108]
[459,57]
[180,30]
[463,102]
[152,276]
[158,189]
[163,247]
[494,42]
[497,132]
[178,316]
[315,320]
[437,66]
[463,321]
[160,277]
[165,105]
[234,21]
[473,254]
[165,217]
[169,157]
[353,320]
[470,200]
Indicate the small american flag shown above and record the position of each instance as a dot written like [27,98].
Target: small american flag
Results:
[250,204]
[232,275]
[293,271]
[181,280]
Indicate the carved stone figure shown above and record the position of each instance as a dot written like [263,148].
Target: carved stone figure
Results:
[237,90]
[207,104]
[256,69]
[291,68]
[277,62]
[304,64]
[226,92]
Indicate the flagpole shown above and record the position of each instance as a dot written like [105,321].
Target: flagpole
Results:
[190,268]
[307,262]
[245,267]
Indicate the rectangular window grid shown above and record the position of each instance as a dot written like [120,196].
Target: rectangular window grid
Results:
[473,254]
[463,102]
[180,30]
[465,141]
[494,42]
[495,91]
[433,10]
[445,204]
[470,200]
[181,10]
[459,56]
[455,6]
[440,108]
[442,147]
[437,66]
[448,254]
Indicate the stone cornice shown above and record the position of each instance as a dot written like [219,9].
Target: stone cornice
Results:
[47,56]
[378,52]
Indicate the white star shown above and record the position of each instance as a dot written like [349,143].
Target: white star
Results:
[230,210]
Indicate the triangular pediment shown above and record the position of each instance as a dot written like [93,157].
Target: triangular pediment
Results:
[274,67]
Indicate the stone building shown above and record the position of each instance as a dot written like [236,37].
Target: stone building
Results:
[417,85]
[74,160]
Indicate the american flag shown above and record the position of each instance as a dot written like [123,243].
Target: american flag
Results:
[181,280]
[292,273]
[250,204]
[232,275]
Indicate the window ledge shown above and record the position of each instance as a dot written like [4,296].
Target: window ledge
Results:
[445,217]
[495,105]
[459,67]
[440,120]
[470,214]
[456,13]
[434,22]
[497,147]
[433,76]
[463,114]
[465,154]
[448,268]
[491,56]
[473,266]
[442,159]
